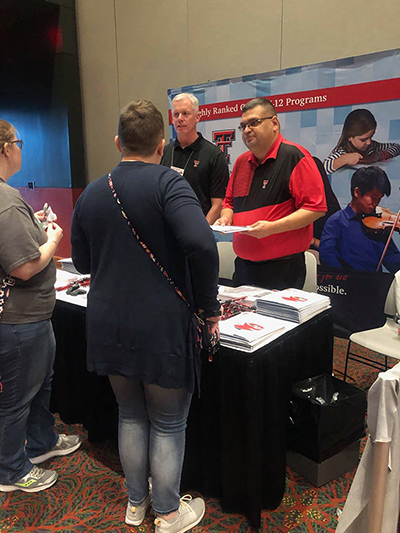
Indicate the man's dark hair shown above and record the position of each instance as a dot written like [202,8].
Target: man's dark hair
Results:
[140,128]
[369,178]
[264,102]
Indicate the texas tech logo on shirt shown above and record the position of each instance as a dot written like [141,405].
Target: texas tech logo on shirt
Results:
[223,139]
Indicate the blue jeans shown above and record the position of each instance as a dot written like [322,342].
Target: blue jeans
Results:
[27,354]
[152,424]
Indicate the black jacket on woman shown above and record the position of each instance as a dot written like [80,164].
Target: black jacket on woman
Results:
[137,326]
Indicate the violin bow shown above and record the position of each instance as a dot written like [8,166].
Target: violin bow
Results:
[388,241]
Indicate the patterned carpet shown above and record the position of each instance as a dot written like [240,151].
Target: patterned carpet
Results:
[90,495]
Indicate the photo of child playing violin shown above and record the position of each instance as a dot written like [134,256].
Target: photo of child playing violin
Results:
[356,145]
[346,241]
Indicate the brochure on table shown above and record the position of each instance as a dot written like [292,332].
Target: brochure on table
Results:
[293,304]
[249,331]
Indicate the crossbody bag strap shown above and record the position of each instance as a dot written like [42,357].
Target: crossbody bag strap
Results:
[5,288]
[147,250]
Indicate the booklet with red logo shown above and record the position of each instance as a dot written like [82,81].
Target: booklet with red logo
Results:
[249,331]
[293,304]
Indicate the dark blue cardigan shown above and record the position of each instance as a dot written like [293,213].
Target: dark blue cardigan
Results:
[137,326]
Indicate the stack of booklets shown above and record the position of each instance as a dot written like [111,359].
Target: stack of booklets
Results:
[292,304]
[249,331]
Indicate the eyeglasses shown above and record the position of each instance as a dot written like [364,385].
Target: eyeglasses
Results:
[253,123]
[19,142]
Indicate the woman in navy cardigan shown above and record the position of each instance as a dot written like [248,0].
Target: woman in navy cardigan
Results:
[139,331]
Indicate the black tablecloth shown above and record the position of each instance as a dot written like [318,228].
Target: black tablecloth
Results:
[236,436]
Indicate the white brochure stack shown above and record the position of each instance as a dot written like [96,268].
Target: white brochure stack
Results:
[292,304]
[249,331]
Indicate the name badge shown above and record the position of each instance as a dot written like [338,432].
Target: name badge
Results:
[179,170]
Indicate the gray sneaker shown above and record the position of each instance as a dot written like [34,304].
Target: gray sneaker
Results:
[189,514]
[36,480]
[64,446]
[135,513]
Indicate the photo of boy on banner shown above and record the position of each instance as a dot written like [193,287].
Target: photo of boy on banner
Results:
[348,241]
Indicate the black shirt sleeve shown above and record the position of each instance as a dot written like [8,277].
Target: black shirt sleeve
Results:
[219,176]
[166,158]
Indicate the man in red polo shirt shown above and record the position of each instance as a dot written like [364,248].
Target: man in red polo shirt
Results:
[277,190]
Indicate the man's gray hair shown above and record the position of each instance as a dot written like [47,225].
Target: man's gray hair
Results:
[191,97]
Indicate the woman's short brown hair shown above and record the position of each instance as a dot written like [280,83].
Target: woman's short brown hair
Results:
[140,129]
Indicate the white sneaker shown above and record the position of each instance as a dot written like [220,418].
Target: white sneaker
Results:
[64,445]
[135,513]
[189,514]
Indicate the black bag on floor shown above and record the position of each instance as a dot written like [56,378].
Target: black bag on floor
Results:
[326,415]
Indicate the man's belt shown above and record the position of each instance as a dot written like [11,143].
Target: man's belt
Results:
[275,258]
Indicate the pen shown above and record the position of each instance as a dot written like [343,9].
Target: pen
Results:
[83,283]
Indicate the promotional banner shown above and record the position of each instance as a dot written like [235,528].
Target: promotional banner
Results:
[346,113]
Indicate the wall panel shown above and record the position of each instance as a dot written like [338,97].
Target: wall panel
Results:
[152,49]
[227,39]
[99,83]
[315,31]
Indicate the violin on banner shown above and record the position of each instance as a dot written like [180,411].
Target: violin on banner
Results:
[383,221]
[386,221]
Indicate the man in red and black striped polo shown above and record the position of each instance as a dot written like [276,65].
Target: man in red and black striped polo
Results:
[277,190]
